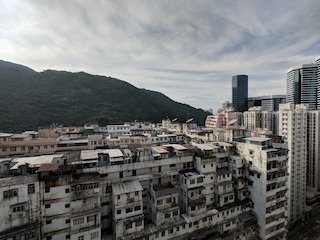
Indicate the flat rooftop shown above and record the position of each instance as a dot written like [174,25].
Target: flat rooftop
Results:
[160,150]
[35,161]
[18,180]
[178,147]
[257,139]
[2,135]
[126,187]
[93,154]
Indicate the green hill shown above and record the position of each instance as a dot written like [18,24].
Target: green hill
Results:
[29,100]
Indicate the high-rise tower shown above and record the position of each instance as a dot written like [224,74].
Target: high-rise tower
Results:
[240,92]
[318,82]
[302,85]
[292,126]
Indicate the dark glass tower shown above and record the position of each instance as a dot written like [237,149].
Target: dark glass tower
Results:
[240,93]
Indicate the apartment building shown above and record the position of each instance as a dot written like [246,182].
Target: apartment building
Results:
[313,148]
[293,127]
[161,192]
[27,143]
[20,208]
[268,178]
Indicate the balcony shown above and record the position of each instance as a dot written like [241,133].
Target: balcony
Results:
[85,194]
[201,199]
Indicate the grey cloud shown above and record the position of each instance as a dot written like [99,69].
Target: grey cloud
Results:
[186,49]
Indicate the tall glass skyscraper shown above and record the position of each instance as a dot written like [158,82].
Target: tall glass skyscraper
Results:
[240,93]
[302,85]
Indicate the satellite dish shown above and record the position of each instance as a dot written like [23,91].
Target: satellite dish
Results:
[189,120]
[174,120]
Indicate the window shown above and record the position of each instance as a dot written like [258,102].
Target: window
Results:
[10,193]
[129,225]
[94,235]
[167,215]
[193,208]
[120,174]
[159,202]
[170,230]
[47,189]
[137,208]
[91,218]
[177,229]
[129,210]
[67,190]
[18,208]
[118,211]
[138,223]
[31,188]
[29,235]
[81,238]
[118,197]
[78,221]
[136,193]
[163,233]
[134,172]
[47,205]
[67,205]
[67,220]
[105,204]
[68,236]
[175,213]
[49,238]
[168,200]
[192,181]
[48,221]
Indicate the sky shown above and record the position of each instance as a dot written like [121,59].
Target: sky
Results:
[188,50]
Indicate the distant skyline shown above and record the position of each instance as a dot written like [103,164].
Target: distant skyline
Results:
[188,50]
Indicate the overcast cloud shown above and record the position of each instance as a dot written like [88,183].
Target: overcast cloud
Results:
[187,50]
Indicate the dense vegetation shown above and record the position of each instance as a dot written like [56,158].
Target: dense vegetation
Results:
[29,100]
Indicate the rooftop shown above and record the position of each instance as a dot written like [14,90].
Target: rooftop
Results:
[302,66]
[93,154]
[17,180]
[206,147]
[46,167]
[162,191]
[22,135]
[160,150]
[3,135]
[126,187]
[257,139]
[178,147]
[73,141]
[35,161]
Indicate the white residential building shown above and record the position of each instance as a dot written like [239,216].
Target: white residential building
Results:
[267,171]
[293,127]
[19,208]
